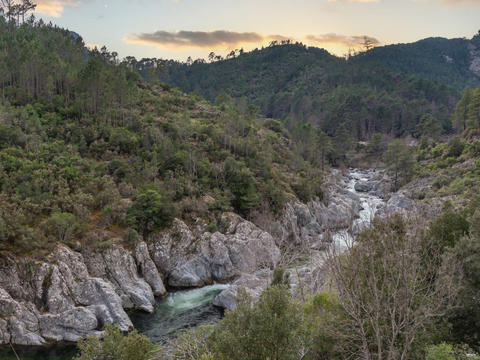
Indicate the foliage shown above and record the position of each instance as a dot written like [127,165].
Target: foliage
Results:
[268,329]
[280,277]
[375,145]
[323,314]
[441,352]
[193,345]
[91,146]
[449,227]
[399,160]
[300,84]
[442,60]
[114,345]
[446,351]
[62,225]
[149,212]
[465,320]
[391,284]
[428,126]
[455,147]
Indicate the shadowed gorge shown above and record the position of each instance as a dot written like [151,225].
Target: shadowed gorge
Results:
[278,203]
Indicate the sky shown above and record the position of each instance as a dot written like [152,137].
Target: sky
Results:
[176,29]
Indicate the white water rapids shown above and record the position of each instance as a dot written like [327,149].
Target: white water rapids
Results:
[370,204]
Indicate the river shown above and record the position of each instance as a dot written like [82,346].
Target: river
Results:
[369,202]
[187,309]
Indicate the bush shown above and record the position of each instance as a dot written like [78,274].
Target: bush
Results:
[441,351]
[437,150]
[193,345]
[115,345]
[132,237]
[446,351]
[62,225]
[243,186]
[268,329]
[280,277]
[441,181]
[276,197]
[455,147]
[150,212]
[308,189]
[274,125]
[449,226]
[475,148]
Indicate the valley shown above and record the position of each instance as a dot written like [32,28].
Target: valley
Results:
[281,203]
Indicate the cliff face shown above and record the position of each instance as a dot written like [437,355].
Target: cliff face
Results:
[475,55]
[71,295]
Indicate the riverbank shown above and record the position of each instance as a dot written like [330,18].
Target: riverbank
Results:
[309,227]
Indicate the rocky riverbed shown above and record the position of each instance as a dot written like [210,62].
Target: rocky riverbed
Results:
[72,294]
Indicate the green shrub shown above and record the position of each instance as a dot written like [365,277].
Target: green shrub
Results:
[446,351]
[455,147]
[267,329]
[193,345]
[308,189]
[441,181]
[150,212]
[475,148]
[131,236]
[441,351]
[115,346]
[212,227]
[449,227]
[62,226]
[437,150]
[280,277]
[274,125]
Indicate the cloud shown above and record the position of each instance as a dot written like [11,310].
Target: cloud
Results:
[198,39]
[54,8]
[460,2]
[342,40]
[92,46]
[229,39]
[356,1]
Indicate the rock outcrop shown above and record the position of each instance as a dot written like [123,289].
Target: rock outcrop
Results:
[193,259]
[363,186]
[55,300]
[71,295]
[254,285]
[305,224]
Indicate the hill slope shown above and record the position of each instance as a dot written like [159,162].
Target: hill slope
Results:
[86,145]
[448,61]
[301,84]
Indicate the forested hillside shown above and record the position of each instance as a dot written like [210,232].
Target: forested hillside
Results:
[447,61]
[300,84]
[85,144]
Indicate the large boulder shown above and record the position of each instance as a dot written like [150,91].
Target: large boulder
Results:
[254,285]
[59,299]
[118,266]
[148,270]
[100,297]
[19,322]
[192,258]
[71,325]
[363,186]
[305,224]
